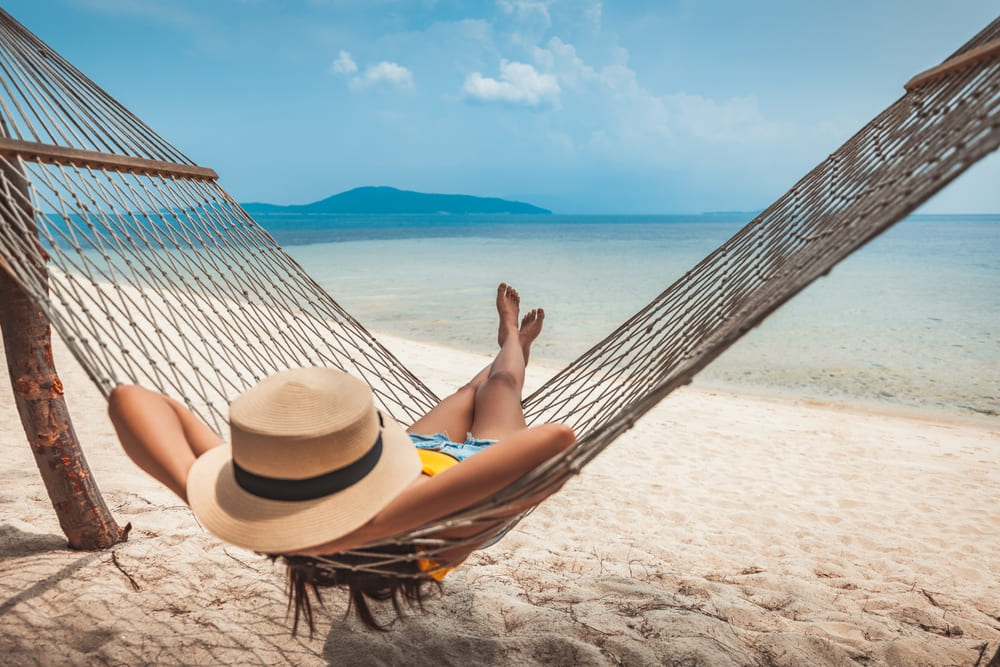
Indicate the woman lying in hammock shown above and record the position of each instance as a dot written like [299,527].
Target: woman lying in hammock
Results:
[314,469]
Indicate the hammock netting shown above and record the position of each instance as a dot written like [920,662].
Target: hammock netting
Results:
[153,275]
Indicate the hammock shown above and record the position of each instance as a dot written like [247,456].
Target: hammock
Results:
[154,275]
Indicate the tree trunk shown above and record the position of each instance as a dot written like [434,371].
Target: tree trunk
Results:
[38,393]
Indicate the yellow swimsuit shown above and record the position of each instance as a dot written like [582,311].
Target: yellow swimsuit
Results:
[432,463]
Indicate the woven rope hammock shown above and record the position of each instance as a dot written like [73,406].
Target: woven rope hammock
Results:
[153,275]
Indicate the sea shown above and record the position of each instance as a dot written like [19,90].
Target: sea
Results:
[910,322]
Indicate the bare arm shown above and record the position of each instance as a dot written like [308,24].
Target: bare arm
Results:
[159,434]
[475,479]
[164,438]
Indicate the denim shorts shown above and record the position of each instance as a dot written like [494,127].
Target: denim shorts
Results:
[439,442]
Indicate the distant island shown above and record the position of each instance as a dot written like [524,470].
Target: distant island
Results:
[386,200]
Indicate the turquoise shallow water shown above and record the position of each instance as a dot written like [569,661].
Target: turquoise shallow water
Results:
[912,320]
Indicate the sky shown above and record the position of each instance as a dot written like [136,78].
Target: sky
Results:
[579,106]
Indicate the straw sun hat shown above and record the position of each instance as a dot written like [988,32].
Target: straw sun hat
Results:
[310,460]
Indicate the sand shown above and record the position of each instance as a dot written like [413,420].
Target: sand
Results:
[724,529]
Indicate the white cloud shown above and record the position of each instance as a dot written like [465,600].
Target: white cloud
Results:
[384,73]
[344,64]
[561,59]
[519,83]
[638,120]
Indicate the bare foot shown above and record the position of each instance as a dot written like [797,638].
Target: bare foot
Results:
[508,306]
[531,326]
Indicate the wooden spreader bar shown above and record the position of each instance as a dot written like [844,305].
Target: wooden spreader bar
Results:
[49,154]
[982,52]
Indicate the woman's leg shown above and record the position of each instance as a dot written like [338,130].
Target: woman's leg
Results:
[498,410]
[454,415]
[162,436]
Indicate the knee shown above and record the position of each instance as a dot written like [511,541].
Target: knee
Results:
[466,393]
[469,388]
[504,379]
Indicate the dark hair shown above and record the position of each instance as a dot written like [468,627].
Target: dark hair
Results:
[308,574]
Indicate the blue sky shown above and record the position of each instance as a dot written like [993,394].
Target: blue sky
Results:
[580,106]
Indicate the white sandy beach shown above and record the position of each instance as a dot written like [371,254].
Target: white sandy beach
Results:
[723,529]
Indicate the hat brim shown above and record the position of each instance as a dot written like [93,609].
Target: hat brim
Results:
[278,526]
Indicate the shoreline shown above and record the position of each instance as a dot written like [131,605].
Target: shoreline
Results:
[858,405]
[541,368]
[721,529]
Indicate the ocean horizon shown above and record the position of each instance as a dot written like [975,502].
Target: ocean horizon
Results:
[910,321]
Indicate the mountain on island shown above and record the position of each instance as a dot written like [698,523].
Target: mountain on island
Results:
[385,200]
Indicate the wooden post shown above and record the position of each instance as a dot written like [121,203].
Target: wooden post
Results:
[38,393]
